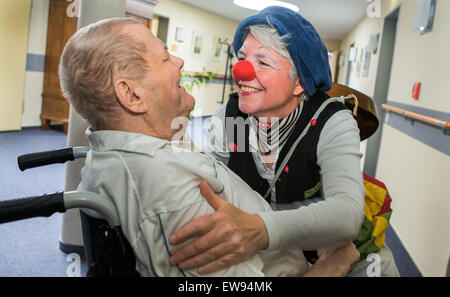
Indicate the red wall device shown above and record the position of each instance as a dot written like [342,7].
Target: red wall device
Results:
[416,90]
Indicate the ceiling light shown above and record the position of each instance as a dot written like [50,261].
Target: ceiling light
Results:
[261,4]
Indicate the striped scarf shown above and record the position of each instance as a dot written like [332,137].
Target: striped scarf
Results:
[273,136]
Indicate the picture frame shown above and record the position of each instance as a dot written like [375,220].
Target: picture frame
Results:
[180,34]
[341,60]
[218,49]
[198,41]
[359,62]
[377,42]
[366,65]
[352,54]
[373,43]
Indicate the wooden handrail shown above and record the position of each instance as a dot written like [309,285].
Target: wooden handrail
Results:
[416,116]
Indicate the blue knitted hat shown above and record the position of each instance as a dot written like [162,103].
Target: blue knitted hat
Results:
[304,44]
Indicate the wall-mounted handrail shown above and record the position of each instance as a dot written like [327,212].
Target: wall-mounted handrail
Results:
[445,126]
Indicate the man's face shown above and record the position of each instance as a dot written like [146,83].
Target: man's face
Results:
[272,90]
[166,98]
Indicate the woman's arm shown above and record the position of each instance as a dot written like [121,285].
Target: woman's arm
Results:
[328,223]
[338,218]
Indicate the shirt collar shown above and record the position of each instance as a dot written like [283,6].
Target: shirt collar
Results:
[111,140]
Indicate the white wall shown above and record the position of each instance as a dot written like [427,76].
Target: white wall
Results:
[34,80]
[423,59]
[210,25]
[14,24]
[360,36]
[416,174]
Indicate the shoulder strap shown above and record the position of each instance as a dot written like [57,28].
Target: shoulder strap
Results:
[294,146]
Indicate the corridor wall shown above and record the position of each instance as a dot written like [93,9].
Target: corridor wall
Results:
[414,157]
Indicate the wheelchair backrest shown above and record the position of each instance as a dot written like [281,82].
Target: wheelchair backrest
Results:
[108,252]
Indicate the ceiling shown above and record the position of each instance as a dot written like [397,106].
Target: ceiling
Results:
[333,19]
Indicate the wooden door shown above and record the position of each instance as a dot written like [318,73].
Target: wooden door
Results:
[333,58]
[60,28]
[146,22]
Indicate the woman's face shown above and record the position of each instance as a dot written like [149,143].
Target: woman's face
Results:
[272,93]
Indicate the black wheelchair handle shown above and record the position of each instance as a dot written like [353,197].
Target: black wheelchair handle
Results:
[45,158]
[37,206]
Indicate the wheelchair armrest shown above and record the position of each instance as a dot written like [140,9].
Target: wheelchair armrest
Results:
[90,200]
[51,157]
[30,207]
[48,204]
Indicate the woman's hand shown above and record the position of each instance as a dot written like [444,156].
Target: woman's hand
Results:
[227,237]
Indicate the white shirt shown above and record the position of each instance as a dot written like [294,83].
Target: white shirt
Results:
[331,221]
[155,187]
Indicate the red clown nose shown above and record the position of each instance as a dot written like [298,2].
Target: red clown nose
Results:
[243,70]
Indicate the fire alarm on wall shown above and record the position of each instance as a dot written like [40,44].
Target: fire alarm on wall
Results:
[416,90]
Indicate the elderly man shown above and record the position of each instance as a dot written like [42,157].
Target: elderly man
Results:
[122,80]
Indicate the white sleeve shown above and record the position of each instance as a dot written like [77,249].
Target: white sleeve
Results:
[216,141]
[338,218]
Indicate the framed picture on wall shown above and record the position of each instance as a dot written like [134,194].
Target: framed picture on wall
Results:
[197,44]
[180,33]
[366,66]
[341,60]
[359,62]
[352,54]
[373,43]
[218,49]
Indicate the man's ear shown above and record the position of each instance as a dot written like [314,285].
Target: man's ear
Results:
[298,88]
[130,96]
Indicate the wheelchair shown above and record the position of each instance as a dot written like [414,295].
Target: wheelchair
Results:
[107,251]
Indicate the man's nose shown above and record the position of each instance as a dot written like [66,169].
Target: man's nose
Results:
[179,62]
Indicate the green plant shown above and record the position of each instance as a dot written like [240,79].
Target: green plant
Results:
[189,80]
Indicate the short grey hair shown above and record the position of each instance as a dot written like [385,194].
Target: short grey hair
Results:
[268,35]
[93,57]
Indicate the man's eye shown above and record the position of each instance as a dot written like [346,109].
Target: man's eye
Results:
[263,63]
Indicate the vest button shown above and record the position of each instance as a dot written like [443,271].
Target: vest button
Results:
[233,147]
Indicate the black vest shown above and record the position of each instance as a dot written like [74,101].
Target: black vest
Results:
[300,179]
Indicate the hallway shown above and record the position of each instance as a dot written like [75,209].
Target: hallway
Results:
[393,51]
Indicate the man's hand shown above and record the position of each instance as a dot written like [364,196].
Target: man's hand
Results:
[227,237]
[335,262]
